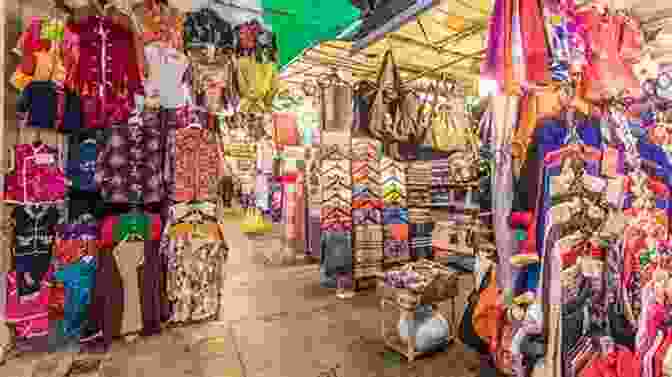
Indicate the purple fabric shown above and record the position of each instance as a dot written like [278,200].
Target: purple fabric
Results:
[494,40]
[314,235]
[77,231]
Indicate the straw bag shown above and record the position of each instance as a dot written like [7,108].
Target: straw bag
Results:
[451,130]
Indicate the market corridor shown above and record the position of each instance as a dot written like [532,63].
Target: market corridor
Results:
[276,321]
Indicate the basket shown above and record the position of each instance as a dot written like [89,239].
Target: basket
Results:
[436,283]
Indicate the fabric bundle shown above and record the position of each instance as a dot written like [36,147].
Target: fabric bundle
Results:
[421,240]
[368,244]
[396,245]
[418,183]
[393,174]
[336,256]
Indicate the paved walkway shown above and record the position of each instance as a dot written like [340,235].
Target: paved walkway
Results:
[275,322]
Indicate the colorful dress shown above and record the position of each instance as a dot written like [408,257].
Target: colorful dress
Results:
[37,176]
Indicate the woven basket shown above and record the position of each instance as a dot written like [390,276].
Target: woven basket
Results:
[438,283]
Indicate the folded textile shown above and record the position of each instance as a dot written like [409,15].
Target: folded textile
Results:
[395,215]
[396,249]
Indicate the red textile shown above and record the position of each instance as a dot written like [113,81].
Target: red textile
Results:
[534,42]
[619,363]
[660,355]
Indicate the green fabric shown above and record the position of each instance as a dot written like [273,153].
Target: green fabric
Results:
[308,23]
[132,223]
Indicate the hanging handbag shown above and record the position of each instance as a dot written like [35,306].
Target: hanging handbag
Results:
[394,109]
[450,129]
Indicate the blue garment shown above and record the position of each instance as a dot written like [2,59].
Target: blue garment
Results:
[78,280]
[81,166]
[335,256]
[39,101]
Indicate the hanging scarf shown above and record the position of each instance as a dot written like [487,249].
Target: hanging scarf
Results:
[532,28]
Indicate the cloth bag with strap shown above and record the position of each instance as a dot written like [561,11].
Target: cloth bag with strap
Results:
[393,113]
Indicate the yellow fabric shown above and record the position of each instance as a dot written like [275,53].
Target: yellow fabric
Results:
[20,80]
[208,230]
[258,84]
[521,260]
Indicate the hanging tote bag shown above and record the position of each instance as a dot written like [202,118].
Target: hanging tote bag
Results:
[450,132]
[394,109]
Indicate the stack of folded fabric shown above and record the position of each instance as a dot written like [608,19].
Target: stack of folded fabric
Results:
[314,203]
[395,213]
[241,151]
[336,257]
[422,227]
[419,183]
[367,207]
[440,183]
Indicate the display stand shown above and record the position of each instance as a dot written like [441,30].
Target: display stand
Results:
[406,301]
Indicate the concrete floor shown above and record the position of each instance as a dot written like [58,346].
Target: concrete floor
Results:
[276,321]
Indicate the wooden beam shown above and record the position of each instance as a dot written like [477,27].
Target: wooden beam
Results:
[393,24]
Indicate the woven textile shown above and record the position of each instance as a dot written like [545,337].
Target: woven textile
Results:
[396,246]
[419,183]
[393,179]
[368,244]
[365,149]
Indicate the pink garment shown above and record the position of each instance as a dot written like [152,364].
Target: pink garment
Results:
[29,314]
[37,176]
[606,73]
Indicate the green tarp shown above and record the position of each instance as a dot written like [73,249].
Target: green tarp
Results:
[300,24]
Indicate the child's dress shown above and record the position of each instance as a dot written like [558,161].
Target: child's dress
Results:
[37,176]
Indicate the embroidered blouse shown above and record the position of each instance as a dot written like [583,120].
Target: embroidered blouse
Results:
[167,67]
[204,27]
[161,23]
[258,84]
[213,80]
[115,228]
[129,167]
[197,164]
[37,176]
[35,228]
[106,73]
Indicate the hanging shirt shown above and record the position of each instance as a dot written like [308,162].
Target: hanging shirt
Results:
[106,73]
[35,233]
[81,167]
[197,164]
[129,167]
[117,228]
[160,23]
[167,67]
[37,176]
[213,80]
[258,85]
[204,27]
[78,281]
